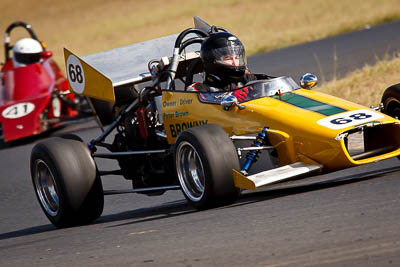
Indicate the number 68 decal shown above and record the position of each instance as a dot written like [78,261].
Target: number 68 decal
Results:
[76,75]
[351,118]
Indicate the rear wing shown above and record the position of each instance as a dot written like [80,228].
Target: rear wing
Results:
[99,75]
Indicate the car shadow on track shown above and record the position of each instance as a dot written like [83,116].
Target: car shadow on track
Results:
[167,210]
[28,231]
[181,207]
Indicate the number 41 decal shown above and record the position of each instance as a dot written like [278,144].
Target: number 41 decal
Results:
[18,110]
[351,118]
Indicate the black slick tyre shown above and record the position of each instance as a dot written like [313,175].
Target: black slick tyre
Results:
[204,159]
[391,101]
[71,136]
[66,182]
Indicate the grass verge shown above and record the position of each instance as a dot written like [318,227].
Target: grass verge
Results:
[365,86]
[89,26]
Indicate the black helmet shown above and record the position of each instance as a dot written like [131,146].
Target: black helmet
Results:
[223,55]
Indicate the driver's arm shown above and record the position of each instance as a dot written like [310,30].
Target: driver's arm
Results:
[198,87]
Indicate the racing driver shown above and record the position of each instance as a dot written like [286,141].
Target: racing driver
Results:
[225,65]
[26,51]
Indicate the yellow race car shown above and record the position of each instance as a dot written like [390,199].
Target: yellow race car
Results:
[204,143]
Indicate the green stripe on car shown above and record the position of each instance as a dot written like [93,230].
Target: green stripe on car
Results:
[309,104]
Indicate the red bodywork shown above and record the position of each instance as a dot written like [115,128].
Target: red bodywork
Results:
[41,84]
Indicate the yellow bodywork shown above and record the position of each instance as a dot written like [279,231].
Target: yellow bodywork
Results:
[91,82]
[293,131]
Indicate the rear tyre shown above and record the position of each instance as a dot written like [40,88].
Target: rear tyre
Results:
[71,136]
[391,101]
[66,182]
[204,159]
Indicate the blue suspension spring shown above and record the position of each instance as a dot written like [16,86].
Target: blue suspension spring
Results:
[252,155]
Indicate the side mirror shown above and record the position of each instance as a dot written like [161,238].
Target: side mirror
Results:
[229,101]
[308,81]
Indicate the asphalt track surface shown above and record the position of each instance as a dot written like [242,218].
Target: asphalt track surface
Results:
[346,218]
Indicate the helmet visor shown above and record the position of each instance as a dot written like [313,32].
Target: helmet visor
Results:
[230,55]
[27,58]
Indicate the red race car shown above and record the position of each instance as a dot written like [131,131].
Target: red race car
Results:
[34,94]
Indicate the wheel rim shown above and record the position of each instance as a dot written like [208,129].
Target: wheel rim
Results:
[46,190]
[190,171]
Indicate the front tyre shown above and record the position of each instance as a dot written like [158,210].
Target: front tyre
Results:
[66,183]
[391,101]
[204,159]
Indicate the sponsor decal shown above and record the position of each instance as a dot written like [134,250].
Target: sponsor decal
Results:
[175,103]
[185,102]
[169,104]
[176,114]
[181,114]
[168,115]
[177,128]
